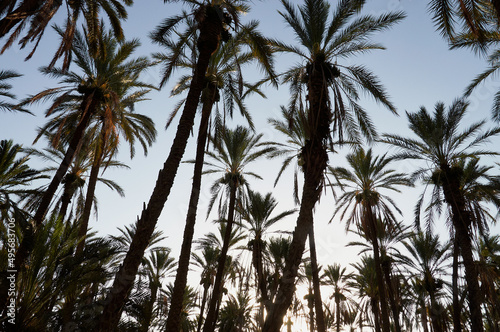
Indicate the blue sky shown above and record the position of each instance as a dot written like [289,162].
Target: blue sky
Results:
[417,69]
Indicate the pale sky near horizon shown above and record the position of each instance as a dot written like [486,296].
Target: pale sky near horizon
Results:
[417,69]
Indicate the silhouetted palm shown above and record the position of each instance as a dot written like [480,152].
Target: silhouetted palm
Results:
[322,42]
[443,146]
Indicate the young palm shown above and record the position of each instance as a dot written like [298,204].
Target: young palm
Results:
[427,258]
[322,42]
[224,82]
[38,14]
[364,200]
[212,18]
[233,153]
[256,214]
[442,145]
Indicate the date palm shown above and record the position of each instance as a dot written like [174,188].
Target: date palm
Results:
[212,18]
[336,277]
[442,145]
[223,82]
[322,41]
[16,14]
[256,214]
[363,202]
[232,154]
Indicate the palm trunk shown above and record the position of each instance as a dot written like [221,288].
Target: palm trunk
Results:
[435,319]
[457,324]
[372,235]
[148,316]
[202,307]
[66,197]
[89,197]
[208,41]
[261,281]
[337,311]
[386,265]
[462,222]
[376,314]
[174,314]
[318,303]
[315,160]
[423,315]
[213,311]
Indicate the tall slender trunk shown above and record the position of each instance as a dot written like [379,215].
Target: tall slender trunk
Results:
[462,222]
[310,305]
[315,160]
[386,266]
[174,315]
[89,197]
[261,280]
[318,303]
[148,312]
[66,197]
[435,317]
[202,307]
[423,315]
[337,310]
[376,314]
[208,41]
[372,235]
[457,322]
[213,311]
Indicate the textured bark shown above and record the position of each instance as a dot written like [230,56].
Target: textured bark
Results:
[208,41]
[202,307]
[372,235]
[213,308]
[462,222]
[174,315]
[89,197]
[457,322]
[318,303]
[386,266]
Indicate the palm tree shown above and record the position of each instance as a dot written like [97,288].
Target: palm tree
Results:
[99,88]
[321,43]
[365,282]
[427,258]
[363,197]
[38,14]
[440,143]
[223,82]
[236,150]
[207,261]
[212,19]
[336,276]
[256,213]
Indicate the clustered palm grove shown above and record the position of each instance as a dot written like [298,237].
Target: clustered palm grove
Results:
[407,278]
